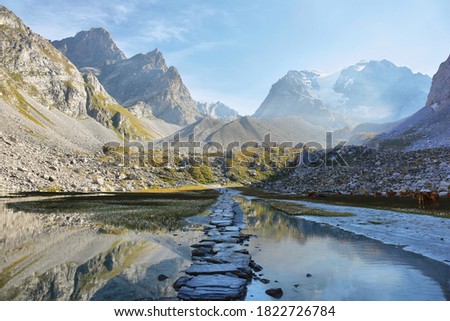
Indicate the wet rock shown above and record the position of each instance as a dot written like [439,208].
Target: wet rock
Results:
[265,281]
[255,267]
[162,277]
[276,293]
[180,282]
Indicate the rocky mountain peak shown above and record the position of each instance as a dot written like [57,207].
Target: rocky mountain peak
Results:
[93,48]
[440,88]
[217,110]
[9,19]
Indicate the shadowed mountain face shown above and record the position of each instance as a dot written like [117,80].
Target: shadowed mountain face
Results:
[94,48]
[146,79]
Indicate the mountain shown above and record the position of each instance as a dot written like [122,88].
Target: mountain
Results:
[217,110]
[373,91]
[381,89]
[49,95]
[248,129]
[428,127]
[143,79]
[295,95]
[90,49]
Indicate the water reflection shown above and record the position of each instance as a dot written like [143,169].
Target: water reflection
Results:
[344,266]
[42,260]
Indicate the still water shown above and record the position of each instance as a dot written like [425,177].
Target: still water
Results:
[48,257]
[312,261]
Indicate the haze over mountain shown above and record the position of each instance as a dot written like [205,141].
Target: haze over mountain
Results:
[248,129]
[294,95]
[374,91]
[428,127]
[143,80]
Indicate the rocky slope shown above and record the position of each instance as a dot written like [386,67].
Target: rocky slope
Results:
[217,110]
[371,171]
[35,73]
[248,129]
[90,49]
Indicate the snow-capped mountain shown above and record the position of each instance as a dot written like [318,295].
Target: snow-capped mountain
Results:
[217,110]
[373,91]
[296,95]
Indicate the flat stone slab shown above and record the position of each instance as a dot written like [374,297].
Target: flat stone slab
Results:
[203,244]
[216,281]
[210,293]
[223,239]
[232,229]
[235,269]
[219,247]
[231,257]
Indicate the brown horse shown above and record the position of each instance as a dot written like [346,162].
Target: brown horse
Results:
[427,199]
[312,195]
[378,194]
[434,199]
[391,194]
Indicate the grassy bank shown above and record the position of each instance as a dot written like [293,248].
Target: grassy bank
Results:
[137,211]
[396,203]
[300,209]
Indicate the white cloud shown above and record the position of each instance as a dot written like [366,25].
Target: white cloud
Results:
[161,30]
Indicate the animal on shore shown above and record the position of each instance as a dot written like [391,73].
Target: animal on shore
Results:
[378,194]
[434,199]
[312,195]
[427,199]
[391,194]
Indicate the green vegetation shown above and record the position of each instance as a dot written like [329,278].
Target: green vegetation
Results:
[300,209]
[139,211]
[202,174]
[54,55]
[134,128]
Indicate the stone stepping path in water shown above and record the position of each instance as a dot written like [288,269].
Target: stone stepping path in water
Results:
[221,267]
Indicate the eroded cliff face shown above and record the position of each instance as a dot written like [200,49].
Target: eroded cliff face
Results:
[440,88]
[146,80]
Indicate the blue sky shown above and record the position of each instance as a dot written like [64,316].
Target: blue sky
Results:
[235,50]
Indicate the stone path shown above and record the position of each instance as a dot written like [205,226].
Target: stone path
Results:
[221,265]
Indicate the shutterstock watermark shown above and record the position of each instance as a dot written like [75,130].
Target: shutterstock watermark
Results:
[268,153]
